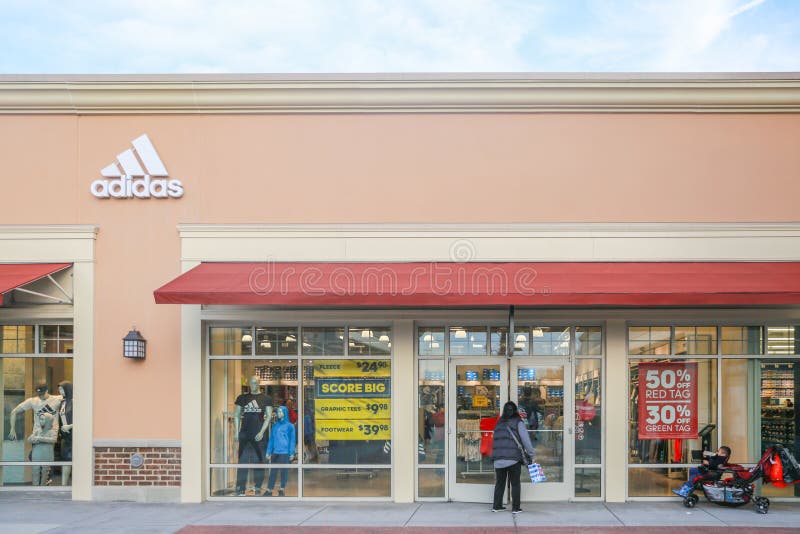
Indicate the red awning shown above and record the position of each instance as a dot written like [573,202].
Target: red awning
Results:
[14,275]
[487,284]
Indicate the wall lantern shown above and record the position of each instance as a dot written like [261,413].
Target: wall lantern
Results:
[133,345]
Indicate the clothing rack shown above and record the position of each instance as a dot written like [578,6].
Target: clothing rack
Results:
[468,423]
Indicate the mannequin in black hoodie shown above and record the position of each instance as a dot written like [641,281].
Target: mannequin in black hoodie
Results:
[65,429]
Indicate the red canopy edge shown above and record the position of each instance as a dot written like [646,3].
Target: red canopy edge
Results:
[417,284]
[14,275]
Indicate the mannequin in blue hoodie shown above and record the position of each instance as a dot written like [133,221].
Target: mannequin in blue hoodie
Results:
[280,449]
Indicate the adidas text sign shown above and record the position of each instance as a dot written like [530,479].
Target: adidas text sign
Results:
[130,176]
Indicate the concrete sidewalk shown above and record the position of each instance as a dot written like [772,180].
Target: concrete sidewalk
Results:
[54,512]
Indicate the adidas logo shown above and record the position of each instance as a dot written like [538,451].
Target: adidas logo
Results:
[139,173]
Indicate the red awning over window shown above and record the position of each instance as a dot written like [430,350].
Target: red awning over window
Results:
[487,284]
[14,275]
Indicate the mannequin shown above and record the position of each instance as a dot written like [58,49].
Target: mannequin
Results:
[36,404]
[252,416]
[65,429]
[43,441]
[281,449]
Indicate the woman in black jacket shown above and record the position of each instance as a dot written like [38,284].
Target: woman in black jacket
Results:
[507,456]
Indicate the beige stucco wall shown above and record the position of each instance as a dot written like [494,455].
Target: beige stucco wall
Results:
[369,168]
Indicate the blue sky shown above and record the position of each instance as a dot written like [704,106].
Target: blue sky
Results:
[294,36]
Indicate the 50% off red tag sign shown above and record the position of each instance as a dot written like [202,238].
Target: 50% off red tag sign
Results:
[668,400]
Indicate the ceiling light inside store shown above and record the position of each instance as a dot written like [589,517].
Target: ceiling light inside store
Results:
[306,345]
[247,338]
[519,346]
[427,338]
[461,334]
[384,338]
[537,332]
[290,338]
[521,338]
[366,333]
[435,345]
[266,345]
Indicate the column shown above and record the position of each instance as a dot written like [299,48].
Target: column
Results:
[83,380]
[616,406]
[404,436]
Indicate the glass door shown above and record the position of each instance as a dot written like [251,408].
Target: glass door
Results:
[478,389]
[545,400]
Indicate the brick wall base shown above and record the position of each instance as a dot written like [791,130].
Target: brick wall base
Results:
[161,467]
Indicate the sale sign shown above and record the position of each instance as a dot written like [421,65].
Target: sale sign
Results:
[668,400]
[352,400]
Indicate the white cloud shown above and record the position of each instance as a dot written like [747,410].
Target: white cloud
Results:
[391,36]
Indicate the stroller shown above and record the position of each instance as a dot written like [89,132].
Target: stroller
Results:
[734,485]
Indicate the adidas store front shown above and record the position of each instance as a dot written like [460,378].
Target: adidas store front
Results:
[279,289]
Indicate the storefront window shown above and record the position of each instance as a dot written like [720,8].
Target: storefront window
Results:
[783,340]
[323,341]
[431,483]
[550,340]
[236,341]
[369,341]
[644,340]
[55,339]
[37,406]
[680,400]
[247,429]
[276,341]
[588,411]
[696,340]
[432,433]
[467,341]
[521,343]
[266,426]
[431,412]
[430,341]
[16,339]
[588,341]
[759,400]
[742,339]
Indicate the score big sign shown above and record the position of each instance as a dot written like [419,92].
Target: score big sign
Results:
[667,400]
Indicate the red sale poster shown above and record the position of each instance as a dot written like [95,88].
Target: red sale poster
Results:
[668,400]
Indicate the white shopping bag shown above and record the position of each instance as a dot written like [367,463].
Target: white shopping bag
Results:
[537,473]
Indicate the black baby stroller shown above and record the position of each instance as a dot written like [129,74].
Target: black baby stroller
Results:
[733,485]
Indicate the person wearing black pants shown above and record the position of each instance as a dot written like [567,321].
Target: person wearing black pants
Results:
[510,436]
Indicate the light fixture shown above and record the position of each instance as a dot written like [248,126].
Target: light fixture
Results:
[521,338]
[427,338]
[384,338]
[306,345]
[247,338]
[477,345]
[537,332]
[435,345]
[134,345]
[461,333]
[352,344]
[366,333]
[266,345]
[519,346]
[290,338]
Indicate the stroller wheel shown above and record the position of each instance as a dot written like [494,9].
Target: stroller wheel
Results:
[762,505]
[690,501]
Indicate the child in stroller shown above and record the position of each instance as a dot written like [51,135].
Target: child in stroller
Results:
[733,485]
[712,463]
